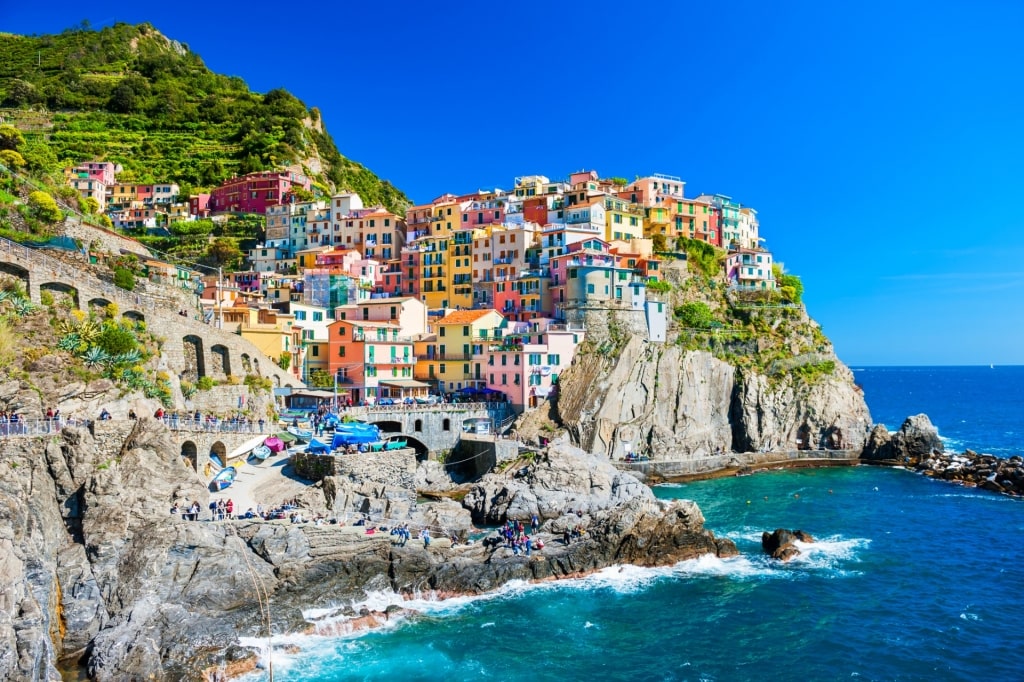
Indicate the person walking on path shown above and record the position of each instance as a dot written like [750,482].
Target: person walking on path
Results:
[426,538]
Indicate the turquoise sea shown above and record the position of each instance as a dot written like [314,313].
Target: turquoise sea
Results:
[911,579]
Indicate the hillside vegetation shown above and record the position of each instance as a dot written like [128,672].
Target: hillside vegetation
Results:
[130,95]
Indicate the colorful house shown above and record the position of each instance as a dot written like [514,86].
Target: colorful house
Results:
[445,359]
[372,361]
[750,269]
[526,362]
[254,192]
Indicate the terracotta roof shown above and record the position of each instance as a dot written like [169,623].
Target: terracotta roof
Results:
[464,316]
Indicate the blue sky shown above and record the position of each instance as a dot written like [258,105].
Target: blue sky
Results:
[880,142]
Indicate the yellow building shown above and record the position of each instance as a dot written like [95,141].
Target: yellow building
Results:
[460,269]
[623,220]
[446,356]
[659,221]
[434,278]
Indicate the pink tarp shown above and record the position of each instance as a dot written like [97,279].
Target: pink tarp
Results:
[274,443]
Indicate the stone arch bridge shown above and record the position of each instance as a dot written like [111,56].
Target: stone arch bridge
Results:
[429,429]
[193,349]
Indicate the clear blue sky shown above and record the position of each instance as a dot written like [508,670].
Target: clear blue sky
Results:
[881,142]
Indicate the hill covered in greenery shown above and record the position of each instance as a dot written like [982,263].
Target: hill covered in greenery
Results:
[128,94]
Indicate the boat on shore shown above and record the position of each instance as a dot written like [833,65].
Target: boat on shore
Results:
[301,434]
[224,478]
[262,453]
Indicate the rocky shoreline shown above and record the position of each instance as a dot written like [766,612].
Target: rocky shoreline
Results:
[94,569]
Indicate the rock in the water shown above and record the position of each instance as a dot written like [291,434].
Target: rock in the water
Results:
[917,439]
[781,543]
[879,445]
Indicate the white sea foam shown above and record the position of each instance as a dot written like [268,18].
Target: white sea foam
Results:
[487,625]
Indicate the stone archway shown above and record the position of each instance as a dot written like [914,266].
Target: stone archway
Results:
[219,450]
[389,426]
[190,454]
[134,316]
[61,288]
[99,303]
[221,357]
[246,363]
[195,361]
[422,451]
[15,270]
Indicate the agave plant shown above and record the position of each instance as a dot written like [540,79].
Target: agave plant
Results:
[23,306]
[95,357]
[69,342]
[128,357]
[89,330]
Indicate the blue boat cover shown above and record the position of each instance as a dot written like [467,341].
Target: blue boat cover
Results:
[317,447]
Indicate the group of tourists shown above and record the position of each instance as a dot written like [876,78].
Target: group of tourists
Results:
[514,535]
[189,512]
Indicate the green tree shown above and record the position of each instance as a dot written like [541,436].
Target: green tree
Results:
[116,340]
[285,361]
[124,278]
[660,242]
[224,252]
[790,286]
[11,137]
[695,315]
[42,207]
[89,205]
[129,95]
[39,157]
[11,159]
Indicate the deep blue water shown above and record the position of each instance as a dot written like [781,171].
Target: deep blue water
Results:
[911,579]
[981,408]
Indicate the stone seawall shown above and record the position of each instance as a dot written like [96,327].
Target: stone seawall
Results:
[736,462]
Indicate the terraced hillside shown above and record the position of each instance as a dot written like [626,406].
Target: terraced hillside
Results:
[128,94]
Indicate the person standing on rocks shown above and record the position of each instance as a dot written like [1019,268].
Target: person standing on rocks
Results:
[534,524]
[426,538]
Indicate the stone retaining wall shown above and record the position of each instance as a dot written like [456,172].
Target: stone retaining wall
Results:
[739,460]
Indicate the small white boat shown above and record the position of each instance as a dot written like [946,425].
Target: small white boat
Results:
[262,452]
[246,448]
[301,434]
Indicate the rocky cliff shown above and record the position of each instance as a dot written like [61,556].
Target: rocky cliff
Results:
[93,568]
[669,402]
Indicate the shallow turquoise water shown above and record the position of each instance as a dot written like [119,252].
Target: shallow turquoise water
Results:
[911,579]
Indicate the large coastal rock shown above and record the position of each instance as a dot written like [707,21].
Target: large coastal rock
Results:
[916,439]
[93,566]
[563,480]
[674,404]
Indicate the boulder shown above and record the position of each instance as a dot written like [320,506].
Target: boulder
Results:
[917,439]
[879,445]
[561,480]
[781,543]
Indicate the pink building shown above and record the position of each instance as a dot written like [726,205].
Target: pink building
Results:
[199,205]
[525,364]
[104,171]
[252,193]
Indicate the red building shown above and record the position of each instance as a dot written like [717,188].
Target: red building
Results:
[252,193]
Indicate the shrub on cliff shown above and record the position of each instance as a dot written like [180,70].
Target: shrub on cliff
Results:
[42,207]
[124,278]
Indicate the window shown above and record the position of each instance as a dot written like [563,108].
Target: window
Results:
[465,330]
[316,351]
[554,359]
[341,351]
[418,425]
[515,379]
[504,380]
[446,425]
[590,288]
[317,316]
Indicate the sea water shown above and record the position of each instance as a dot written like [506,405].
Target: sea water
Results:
[910,579]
